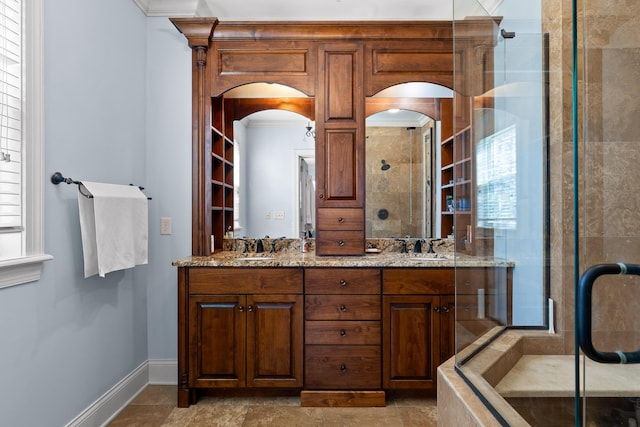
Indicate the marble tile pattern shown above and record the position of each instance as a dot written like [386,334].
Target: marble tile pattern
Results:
[155,406]
[288,255]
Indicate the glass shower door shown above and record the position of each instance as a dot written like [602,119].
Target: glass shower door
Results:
[608,189]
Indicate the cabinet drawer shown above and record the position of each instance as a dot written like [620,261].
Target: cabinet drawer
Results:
[418,281]
[342,307]
[340,242]
[342,332]
[342,281]
[245,280]
[343,367]
[340,219]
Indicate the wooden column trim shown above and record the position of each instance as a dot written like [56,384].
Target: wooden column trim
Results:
[198,32]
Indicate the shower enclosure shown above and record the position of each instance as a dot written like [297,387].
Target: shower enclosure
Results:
[556,176]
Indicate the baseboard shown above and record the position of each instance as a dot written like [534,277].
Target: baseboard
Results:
[163,371]
[111,403]
[103,410]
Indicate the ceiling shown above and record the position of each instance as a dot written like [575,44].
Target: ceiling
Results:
[231,10]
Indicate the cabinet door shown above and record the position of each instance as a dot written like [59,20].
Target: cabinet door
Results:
[411,341]
[217,337]
[274,340]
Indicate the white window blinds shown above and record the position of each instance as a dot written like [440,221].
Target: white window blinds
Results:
[10,115]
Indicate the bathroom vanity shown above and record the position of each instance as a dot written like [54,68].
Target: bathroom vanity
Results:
[336,325]
[341,331]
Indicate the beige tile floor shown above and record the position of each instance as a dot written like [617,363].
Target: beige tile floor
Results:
[156,407]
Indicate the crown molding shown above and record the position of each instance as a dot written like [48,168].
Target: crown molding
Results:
[173,8]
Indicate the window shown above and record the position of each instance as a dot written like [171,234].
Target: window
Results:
[21,141]
[496,173]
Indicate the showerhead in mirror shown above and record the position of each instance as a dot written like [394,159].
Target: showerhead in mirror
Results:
[385,165]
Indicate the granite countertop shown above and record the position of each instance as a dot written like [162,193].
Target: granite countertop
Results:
[309,259]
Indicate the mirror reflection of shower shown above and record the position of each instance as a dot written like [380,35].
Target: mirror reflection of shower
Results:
[402,192]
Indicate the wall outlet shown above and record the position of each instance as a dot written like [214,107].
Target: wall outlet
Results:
[278,214]
[267,215]
[165,225]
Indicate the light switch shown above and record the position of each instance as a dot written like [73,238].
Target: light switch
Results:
[165,225]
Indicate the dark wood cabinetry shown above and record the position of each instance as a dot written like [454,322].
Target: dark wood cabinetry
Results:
[417,316]
[457,174]
[240,328]
[339,65]
[366,330]
[342,331]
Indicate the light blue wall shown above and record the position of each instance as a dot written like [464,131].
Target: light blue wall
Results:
[168,176]
[66,340]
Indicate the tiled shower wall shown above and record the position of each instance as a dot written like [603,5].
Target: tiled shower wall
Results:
[609,160]
[399,189]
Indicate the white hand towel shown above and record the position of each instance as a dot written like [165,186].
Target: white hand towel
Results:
[114,227]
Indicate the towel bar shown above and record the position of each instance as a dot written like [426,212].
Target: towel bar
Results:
[58,178]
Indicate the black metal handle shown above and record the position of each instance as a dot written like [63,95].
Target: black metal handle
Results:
[583,327]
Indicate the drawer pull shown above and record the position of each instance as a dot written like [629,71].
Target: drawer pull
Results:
[467,282]
[343,332]
[340,219]
[341,242]
[343,308]
[240,308]
[343,282]
[343,367]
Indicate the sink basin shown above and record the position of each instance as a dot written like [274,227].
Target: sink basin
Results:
[254,258]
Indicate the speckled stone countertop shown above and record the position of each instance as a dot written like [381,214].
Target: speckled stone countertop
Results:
[290,256]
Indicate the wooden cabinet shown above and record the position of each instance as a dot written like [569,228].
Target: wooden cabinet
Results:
[339,65]
[457,174]
[221,185]
[365,330]
[239,328]
[342,329]
[340,150]
[417,325]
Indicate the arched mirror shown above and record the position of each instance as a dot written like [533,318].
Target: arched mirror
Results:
[402,154]
[400,180]
[275,175]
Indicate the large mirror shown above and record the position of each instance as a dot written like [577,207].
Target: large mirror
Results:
[275,169]
[400,175]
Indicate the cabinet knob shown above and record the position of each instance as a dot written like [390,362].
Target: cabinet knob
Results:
[343,367]
[343,282]
[341,242]
[343,332]
[436,309]
[340,219]
[240,308]
[321,195]
[343,308]
[250,308]
[445,308]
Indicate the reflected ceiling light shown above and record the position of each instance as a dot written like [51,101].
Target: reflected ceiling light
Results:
[394,110]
